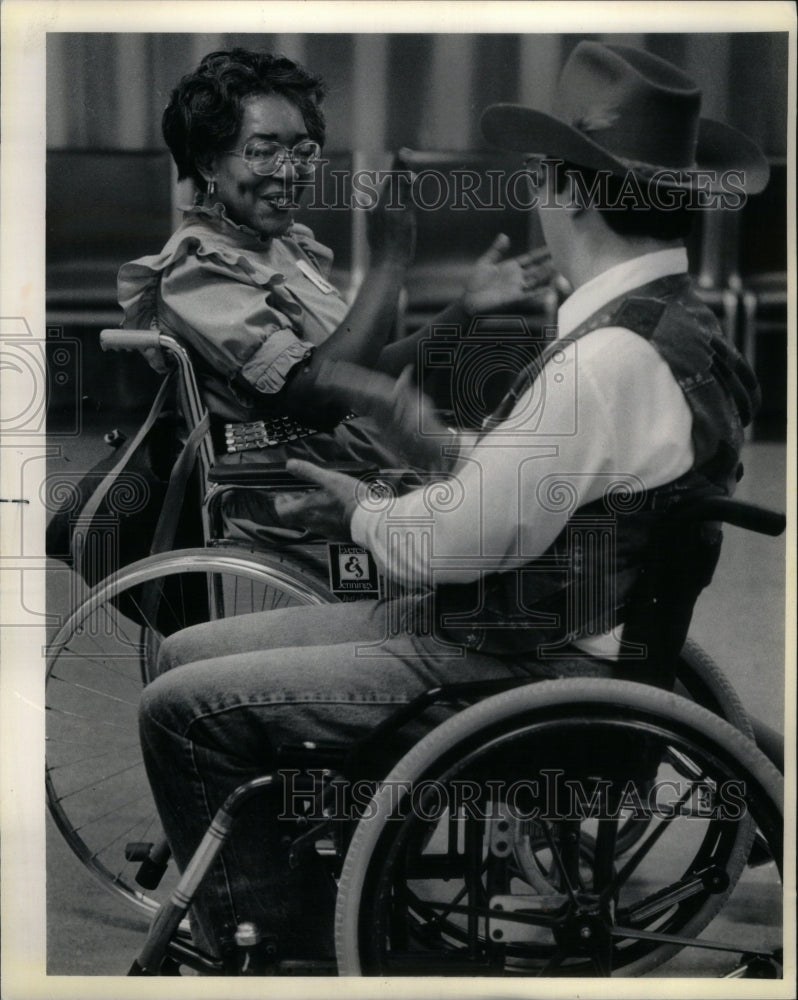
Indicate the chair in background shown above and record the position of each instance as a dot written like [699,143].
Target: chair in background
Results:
[739,259]
[712,259]
[104,207]
[762,276]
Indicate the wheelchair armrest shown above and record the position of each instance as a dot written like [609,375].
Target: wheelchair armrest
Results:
[273,475]
[737,512]
[129,340]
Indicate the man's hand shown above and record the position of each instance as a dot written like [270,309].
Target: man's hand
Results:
[327,512]
[405,415]
[494,283]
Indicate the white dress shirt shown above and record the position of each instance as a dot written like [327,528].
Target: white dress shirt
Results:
[606,409]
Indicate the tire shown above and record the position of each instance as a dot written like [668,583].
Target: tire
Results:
[98,663]
[702,680]
[699,678]
[385,926]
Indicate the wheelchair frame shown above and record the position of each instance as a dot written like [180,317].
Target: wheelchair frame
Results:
[97,662]
[570,923]
[167,940]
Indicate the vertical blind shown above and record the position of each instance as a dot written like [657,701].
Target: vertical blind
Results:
[425,90]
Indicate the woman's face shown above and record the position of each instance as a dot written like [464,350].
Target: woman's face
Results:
[266,204]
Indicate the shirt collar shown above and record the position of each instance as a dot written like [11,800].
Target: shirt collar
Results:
[615,281]
[218,212]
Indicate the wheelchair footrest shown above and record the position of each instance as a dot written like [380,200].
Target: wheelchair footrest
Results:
[150,873]
[138,850]
[154,859]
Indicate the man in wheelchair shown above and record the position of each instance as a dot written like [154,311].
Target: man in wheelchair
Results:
[532,558]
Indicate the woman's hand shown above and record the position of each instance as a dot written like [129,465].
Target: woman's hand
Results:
[405,415]
[392,222]
[361,335]
[495,282]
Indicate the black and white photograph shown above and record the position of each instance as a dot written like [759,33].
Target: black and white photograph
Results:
[398,498]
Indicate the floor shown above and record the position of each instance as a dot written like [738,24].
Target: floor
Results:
[739,621]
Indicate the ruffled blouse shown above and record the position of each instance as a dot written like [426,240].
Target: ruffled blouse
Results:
[250,307]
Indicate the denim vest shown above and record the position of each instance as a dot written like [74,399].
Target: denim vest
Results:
[582,584]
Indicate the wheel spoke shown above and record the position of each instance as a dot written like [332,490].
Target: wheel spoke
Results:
[114,630]
[658,903]
[440,917]
[534,919]
[134,747]
[149,624]
[684,942]
[604,861]
[92,690]
[112,812]
[558,862]
[123,835]
[105,665]
[94,782]
[86,718]
[644,849]
[98,662]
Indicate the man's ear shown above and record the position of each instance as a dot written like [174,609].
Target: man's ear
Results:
[579,200]
[570,194]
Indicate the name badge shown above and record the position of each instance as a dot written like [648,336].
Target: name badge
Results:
[313,275]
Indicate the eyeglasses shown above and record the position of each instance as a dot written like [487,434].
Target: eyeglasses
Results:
[264,157]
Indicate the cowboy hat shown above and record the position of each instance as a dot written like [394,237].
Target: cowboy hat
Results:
[620,109]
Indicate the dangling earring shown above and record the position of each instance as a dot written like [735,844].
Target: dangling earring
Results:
[211,188]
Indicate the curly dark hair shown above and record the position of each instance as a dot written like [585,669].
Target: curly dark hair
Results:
[205,112]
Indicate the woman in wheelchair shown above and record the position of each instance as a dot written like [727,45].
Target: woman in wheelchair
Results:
[554,548]
[246,287]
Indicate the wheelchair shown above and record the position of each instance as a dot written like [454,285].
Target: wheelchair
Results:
[461,877]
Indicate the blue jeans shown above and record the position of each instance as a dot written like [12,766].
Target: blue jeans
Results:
[232,691]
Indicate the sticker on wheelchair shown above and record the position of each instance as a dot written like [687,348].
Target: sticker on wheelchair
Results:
[353,572]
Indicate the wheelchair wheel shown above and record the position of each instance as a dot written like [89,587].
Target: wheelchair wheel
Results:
[699,678]
[97,665]
[491,849]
